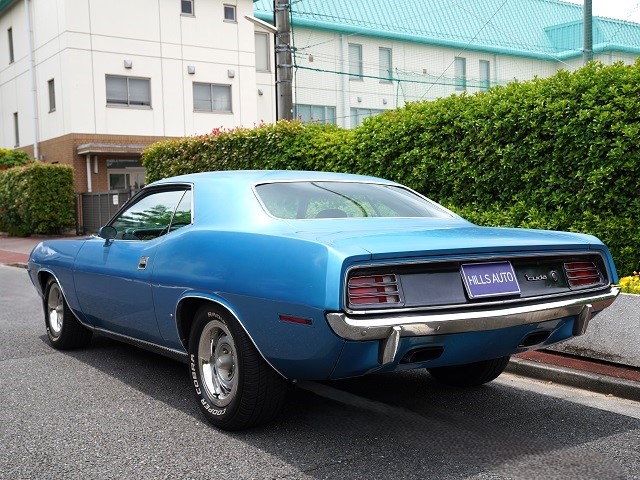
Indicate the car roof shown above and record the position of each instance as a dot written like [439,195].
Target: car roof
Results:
[251,177]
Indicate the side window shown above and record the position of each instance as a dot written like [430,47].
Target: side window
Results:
[182,216]
[149,217]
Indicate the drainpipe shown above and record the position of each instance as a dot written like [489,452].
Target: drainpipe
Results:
[88,173]
[34,90]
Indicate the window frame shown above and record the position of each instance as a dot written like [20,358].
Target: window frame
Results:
[386,75]
[267,51]
[51,87]
[193,8]
[128,104]
[16,129]
[12,57]
[484,68]
[355,113]
[147,192]
[224,13]
[327,120]
[460,73]
[358,76]
[211,85]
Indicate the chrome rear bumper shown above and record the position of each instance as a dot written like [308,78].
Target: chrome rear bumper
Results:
[391,327]
[380,326]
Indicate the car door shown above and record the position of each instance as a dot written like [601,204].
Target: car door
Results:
[113,277]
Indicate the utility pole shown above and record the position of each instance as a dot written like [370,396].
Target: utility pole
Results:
[587,51]
[284,64]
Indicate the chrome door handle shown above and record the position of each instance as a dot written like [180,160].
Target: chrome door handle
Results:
[143,263]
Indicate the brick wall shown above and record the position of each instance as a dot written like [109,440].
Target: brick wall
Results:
[64,150]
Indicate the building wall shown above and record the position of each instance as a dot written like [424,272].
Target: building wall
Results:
[78,42]
[421,72]
[64,150]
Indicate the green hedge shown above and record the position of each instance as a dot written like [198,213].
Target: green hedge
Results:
[13,158]
[37,198]
[557,153]
[280,146]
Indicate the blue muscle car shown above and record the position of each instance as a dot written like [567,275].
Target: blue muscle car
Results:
[259,278]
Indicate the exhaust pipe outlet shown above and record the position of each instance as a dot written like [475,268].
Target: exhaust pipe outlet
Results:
[424,354]
[534,338]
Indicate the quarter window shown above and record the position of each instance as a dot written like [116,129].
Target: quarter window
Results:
[186,7]
[128,91]
[229,13]
[210,97]
[355,61]
[153,215]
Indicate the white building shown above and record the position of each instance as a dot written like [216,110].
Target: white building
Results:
[356,58]
[90,83]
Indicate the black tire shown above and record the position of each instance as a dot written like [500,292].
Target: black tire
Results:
[470,374]
[234,387]
[63,328]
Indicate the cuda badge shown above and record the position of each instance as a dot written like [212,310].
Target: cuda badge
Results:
[531,278]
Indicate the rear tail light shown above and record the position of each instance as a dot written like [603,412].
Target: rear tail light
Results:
[374,289]
[582,274]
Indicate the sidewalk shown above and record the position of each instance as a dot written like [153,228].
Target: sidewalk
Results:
[15,250]
[579,372]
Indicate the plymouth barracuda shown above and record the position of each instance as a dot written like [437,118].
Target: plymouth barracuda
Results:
[261,278]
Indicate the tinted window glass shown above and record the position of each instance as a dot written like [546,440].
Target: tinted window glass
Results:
[148,218]
[343,199]
[182,216]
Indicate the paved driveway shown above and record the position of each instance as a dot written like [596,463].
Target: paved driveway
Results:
[114,411]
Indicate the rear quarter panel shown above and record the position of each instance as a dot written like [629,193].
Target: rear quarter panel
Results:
[258,277]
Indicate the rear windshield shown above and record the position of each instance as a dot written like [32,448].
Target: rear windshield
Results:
[304,200]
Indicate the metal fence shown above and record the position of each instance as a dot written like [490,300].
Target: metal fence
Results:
[95,209]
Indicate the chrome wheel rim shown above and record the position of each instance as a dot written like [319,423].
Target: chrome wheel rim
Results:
[55,308]
[218,363]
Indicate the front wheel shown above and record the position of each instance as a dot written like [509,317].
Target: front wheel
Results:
[63,328]
[470,374]
[234,386]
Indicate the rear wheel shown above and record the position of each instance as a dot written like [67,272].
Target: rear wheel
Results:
[63,328]
[234,386]
[470,374]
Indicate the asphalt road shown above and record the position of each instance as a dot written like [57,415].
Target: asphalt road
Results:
[114,411]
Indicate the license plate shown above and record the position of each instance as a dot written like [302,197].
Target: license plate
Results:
[491,279]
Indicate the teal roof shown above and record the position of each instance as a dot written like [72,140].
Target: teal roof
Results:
[548,29]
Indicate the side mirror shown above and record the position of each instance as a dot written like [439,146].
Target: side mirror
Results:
[107,232]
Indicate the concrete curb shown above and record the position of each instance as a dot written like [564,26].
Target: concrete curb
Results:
[594,382]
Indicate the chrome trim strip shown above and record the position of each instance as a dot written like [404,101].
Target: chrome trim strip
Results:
[383,327]
[230,310]
[153,347]
[458,258]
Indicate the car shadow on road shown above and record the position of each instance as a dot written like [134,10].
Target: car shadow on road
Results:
[401,425]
